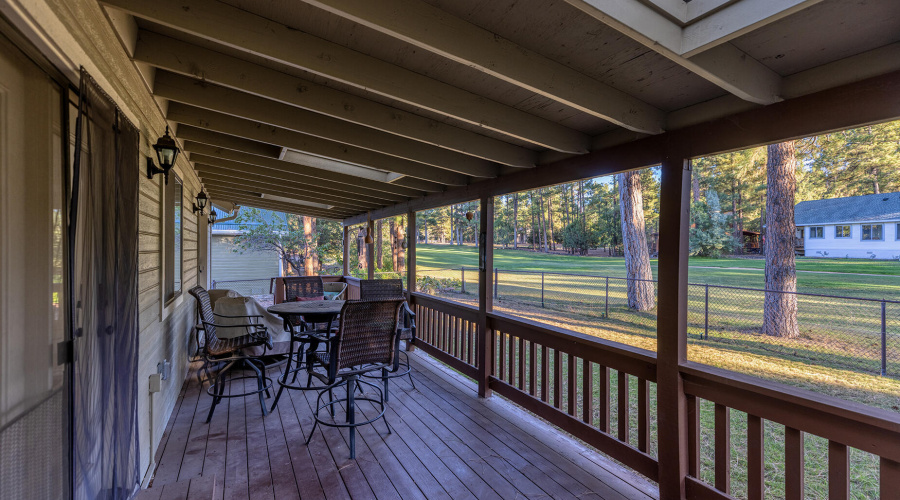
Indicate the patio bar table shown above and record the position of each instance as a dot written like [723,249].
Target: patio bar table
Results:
[313,311]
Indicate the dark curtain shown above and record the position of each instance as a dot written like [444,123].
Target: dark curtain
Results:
[104,231]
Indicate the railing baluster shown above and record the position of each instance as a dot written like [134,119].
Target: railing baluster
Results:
[545,368]
[532,372]
[756,465]
[557,378]
[624,408]
[521,384]
[573,372]
[794,469]
[723,448]
[512,360]
[603,398]
[890,478]
[643,415]
[838,471]
[587,392]
[693,422]
[501,365]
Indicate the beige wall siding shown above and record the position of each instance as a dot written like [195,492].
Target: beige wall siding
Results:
[76,33]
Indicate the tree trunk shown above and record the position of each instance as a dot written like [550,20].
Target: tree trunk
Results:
[362,261]
[379,254]
[637,257]
[780,306]
[550,221]
[875,185]
[695,187]
[400,266]
[394,244]
[516,221]
[531,209]
[543,223]
[735,227]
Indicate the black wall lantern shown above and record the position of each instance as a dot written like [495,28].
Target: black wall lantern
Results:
[201,202]
[166,153]
[212,217]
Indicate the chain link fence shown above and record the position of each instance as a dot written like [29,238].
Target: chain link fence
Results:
[846,332]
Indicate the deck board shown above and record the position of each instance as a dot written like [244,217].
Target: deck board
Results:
[446,443]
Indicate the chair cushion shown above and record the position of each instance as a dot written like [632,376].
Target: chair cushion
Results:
[308,299]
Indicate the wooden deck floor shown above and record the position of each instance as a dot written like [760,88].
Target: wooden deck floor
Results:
[446,444]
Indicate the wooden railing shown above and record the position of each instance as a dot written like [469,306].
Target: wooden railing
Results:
[844,424]
[551,372]
[589,387]
[448,331]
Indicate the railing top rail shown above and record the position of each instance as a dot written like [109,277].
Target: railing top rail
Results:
[633,360]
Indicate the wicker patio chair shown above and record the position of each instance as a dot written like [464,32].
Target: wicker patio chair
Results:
[366,341]
[302,288]
[247,349]
[390,290]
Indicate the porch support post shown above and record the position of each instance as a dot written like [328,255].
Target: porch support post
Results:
[370,254]
[485,296]
[346,251]
[411,251]
[671,326]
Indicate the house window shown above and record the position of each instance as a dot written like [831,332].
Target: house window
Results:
[841,231]
[872,232]
[172,198]
[897,233]
[816,232]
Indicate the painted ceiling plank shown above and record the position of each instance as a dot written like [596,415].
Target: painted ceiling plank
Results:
[198,93]
[290,172]
[727,66]
[236,194]
[213,180]
[244,31]
[318,172]
[245,199]
[249,129]
[333,192]
[735,20]
[432,29]
[188,59]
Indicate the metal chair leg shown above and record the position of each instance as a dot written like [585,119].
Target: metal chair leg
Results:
[351,415]
[260,383]
[384,377]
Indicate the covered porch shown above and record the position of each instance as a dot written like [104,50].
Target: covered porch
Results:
[356,111]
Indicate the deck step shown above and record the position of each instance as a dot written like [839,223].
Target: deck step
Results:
[198,488]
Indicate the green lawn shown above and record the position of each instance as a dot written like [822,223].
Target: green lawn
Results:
[884,284]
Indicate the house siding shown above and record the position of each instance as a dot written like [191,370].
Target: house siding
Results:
[853,247]
[76,33]
[225,264]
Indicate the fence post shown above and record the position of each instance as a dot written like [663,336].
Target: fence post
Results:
[606,312]
[542,289]
[495,283]
[883,339]
[463,272]
[706,314]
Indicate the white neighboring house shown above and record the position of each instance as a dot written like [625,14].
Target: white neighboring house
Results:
[249,272]
[856,227]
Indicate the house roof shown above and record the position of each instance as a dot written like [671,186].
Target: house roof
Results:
[871,207]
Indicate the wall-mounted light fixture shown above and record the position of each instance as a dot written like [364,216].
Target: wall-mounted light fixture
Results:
[200,204]
[212,217]
[166,153]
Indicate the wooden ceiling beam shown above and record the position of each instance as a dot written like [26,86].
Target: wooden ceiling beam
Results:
[189,59]
[249,199]
[249,177]
[264,169]
[203,136]
[436,31]
[201,94]
[226,182]
[248,129]
[345,200]
[239,29]
[725,66]
[311,172]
